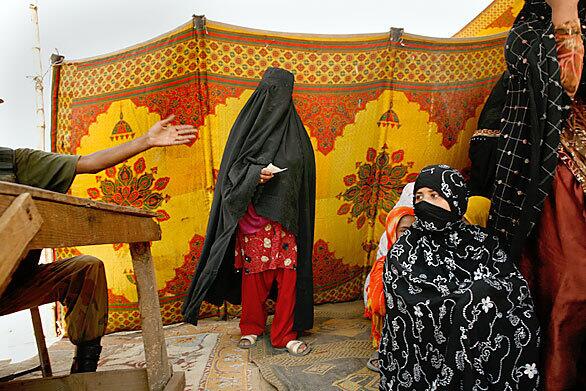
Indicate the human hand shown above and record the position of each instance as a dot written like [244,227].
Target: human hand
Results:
[162,134]
[265,176]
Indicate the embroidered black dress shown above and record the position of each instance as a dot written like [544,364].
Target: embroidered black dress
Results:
[459,313]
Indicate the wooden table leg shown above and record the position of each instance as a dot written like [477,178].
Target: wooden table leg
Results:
[157,363]
[41,344]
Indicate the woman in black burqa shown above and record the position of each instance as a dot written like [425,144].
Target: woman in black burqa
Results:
[459,314]
[261,224]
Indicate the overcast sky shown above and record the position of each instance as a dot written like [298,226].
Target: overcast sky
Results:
[84,28]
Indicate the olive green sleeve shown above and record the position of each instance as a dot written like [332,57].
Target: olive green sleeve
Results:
[45,170]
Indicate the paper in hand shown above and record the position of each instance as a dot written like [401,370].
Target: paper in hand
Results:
[274,169]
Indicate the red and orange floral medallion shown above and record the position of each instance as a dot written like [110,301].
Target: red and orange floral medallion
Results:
[376,186]
[132,186]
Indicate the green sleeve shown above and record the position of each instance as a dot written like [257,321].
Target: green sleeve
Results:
[45,170]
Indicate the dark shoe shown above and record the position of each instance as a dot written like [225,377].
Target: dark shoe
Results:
[86,357]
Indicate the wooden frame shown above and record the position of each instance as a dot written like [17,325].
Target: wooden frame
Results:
[124,379]
[72,221]
[19,223]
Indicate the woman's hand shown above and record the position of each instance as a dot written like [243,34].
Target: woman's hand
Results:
[265,176]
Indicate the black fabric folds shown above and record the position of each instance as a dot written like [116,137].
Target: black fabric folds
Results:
[267,130]
[483,144]
[492,112]
[535,111]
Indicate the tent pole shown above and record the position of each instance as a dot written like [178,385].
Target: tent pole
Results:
[38,77]
[47,254]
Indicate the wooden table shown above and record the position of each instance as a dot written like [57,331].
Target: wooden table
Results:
[70,221]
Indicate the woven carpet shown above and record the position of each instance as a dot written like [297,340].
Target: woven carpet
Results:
[188,353]
[209,358]
[228,367]
[340,348]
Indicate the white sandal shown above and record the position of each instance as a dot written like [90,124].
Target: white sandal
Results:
[373,362]
[293,347]
[247,341]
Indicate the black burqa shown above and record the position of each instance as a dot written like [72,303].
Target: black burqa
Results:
[267,130]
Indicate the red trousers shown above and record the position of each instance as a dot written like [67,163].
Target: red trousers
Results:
[255,291]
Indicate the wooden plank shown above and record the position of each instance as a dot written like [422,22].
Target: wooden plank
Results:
[41,344]
[125,379]
[155,350]
[19,223]
[13,189]
[76,225]
[177,382]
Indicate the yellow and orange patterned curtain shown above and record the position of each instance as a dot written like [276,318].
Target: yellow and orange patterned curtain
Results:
[378,108]
[497,18]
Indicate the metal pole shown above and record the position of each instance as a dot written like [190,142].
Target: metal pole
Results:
[38,77]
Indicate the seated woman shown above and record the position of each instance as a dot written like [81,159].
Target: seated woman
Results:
[398,221]
[406,199]
[459,315]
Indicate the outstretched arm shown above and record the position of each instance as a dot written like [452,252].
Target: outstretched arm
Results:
[569,44]
[563,11]
[160,134]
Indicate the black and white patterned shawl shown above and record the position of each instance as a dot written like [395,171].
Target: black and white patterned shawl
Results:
[534,114]
[459,314]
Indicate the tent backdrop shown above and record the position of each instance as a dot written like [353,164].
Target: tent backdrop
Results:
[497,18]
[378,108]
